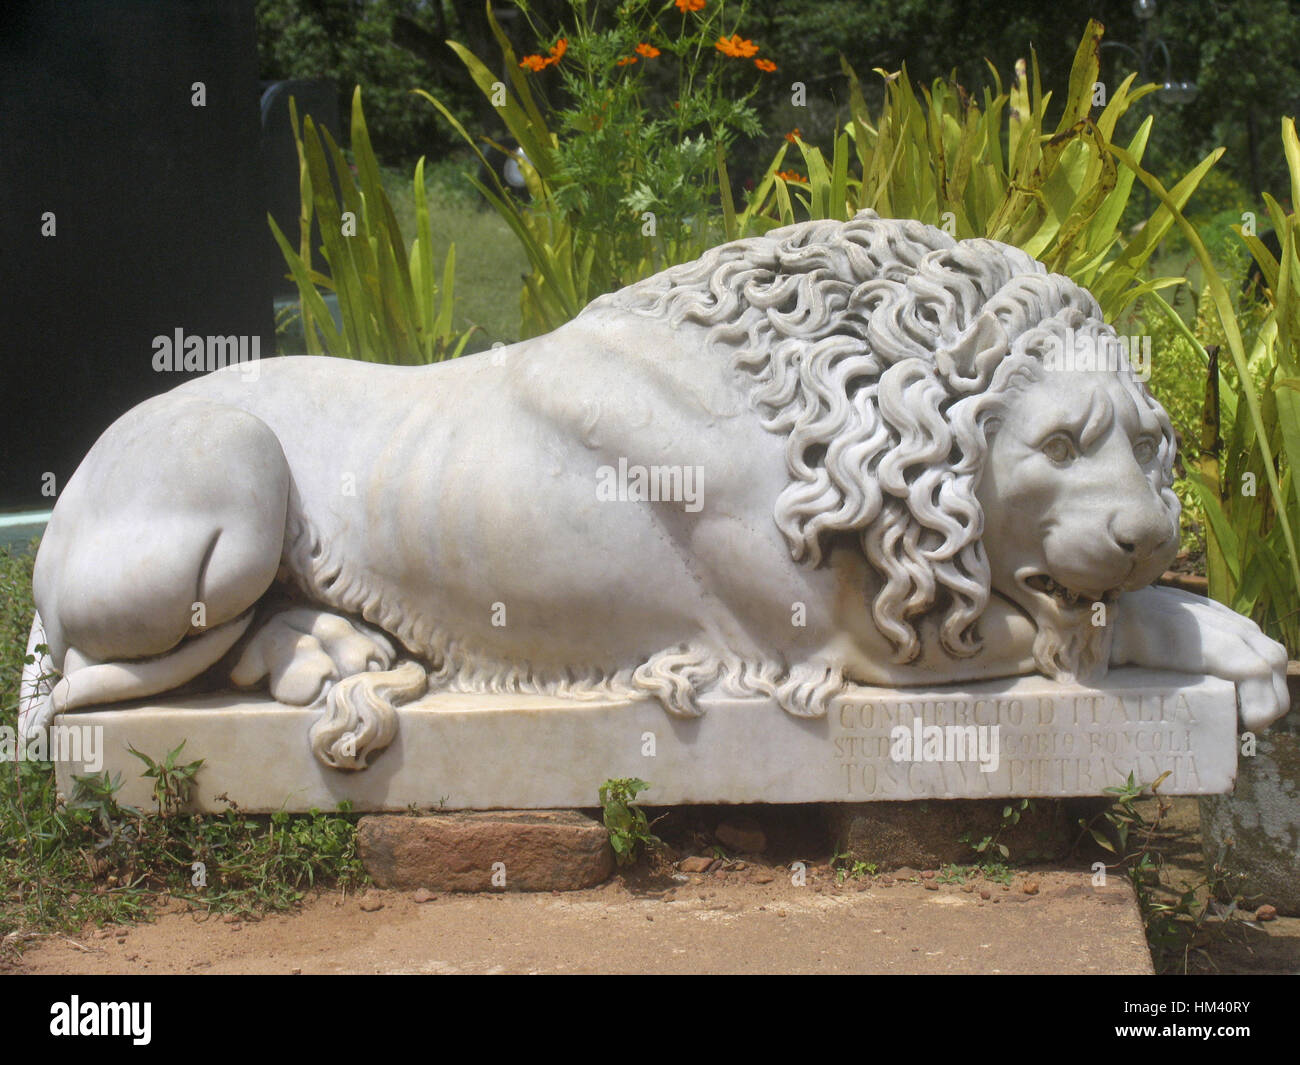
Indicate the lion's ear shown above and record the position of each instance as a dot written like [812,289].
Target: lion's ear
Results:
[969,362]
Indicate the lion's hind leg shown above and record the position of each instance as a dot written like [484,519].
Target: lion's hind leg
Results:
[158,549]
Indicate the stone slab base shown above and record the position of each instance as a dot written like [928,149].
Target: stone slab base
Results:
[1024,736]
[543,850]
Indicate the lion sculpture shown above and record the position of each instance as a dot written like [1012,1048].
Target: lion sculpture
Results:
[828,456]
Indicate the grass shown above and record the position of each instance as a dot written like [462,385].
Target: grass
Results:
[73,860]
[489,260]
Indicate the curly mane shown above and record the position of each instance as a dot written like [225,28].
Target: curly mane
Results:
[882,349]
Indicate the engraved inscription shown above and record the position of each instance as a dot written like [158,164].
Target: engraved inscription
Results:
[1069,744]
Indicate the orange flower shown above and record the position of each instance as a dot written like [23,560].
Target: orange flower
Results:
[792,175]
[688,5]
[765,65]
[626,60]
[736,47]
[647,50]
[793,135]
[537,62]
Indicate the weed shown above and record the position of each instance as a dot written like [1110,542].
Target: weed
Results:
[1175,928]
[172,783]
[846,866]
[629,830]
[987,846]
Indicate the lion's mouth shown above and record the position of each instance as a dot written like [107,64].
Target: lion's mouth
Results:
[1066,598]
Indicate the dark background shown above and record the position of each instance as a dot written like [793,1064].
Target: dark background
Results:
[158,204]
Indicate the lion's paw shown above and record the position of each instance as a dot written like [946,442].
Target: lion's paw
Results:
[1234,648]
[1166,629]
[304,652]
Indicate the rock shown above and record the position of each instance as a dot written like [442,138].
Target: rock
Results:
[423,895]
[371,904]
[1257,827]
[929,885]
[742,835]
[925,835]
[1030,887]
[763,878]
[1266,912]
[695,865]
[986,895]
[927,874]
[533,850]
[968,887]
[905,872]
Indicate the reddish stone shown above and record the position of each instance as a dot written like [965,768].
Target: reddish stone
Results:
[540,850]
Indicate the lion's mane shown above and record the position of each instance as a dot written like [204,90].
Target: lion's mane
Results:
[883,349]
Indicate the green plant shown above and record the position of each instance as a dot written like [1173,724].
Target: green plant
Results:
[1176,920]
[393,304]
[1250,439]
[990,844]
[1057,194]
[629,176]
[846,866]
[629,830]
[172,782]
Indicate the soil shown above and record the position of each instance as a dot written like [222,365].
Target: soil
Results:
[742,916]
[728,922]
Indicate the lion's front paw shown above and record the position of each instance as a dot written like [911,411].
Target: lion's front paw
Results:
[1164,628]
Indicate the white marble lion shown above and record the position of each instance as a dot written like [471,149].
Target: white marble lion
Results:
[830,455]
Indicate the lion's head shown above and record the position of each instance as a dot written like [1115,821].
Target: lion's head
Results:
[913,376]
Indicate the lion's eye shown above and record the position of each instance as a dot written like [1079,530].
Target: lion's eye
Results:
[1060,449]
[1144,451]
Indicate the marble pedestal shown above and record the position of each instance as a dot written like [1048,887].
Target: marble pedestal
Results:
[535,752]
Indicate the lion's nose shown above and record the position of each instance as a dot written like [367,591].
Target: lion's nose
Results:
[1139,531]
